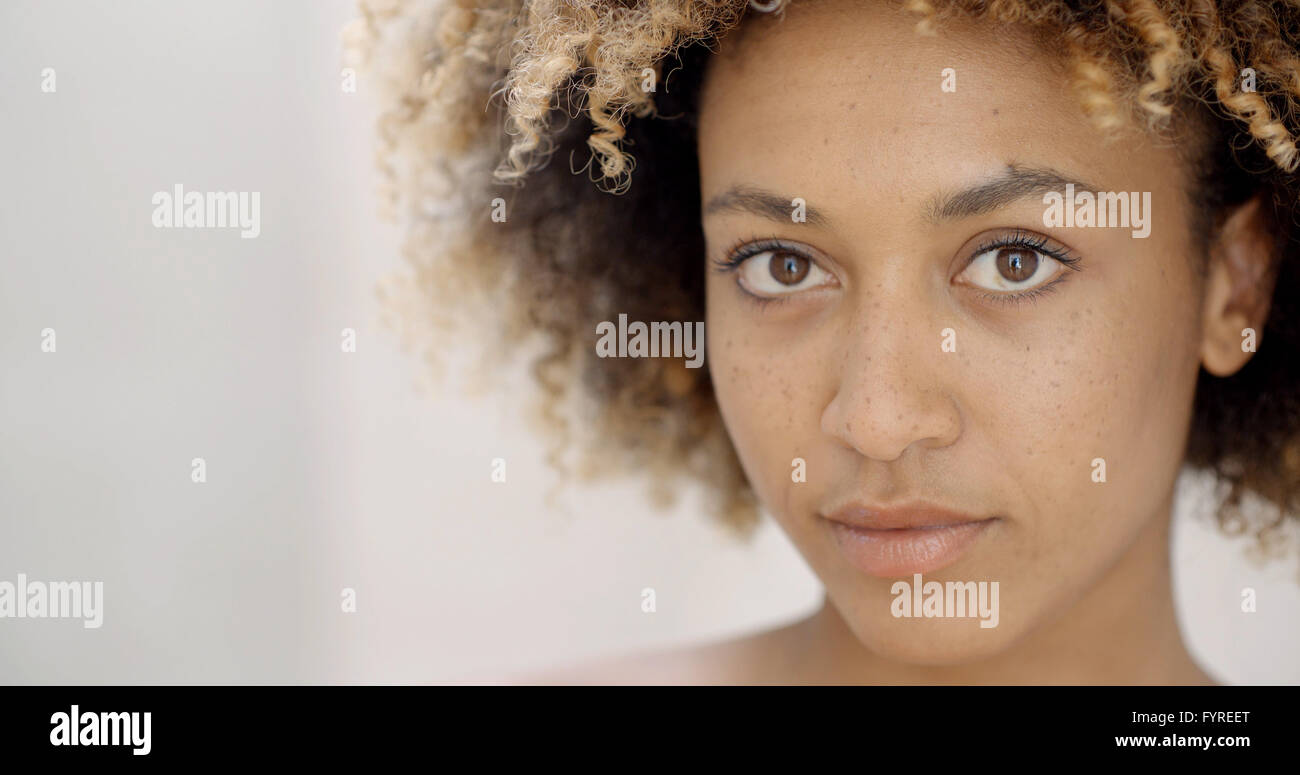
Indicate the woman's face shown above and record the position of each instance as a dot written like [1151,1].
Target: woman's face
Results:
[949,370]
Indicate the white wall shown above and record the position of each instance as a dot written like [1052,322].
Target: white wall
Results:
[325,470]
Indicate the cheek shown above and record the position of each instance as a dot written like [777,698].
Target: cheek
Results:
[1092,418]
[762,389]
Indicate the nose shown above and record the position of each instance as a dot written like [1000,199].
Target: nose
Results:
[891,393]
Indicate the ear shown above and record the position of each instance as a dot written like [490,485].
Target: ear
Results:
[1238,289]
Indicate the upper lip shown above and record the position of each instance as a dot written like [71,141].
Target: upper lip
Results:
[900,517]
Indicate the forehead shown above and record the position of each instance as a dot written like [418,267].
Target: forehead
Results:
[863,47]
[856,82]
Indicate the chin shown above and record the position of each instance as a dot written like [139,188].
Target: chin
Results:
[930,641]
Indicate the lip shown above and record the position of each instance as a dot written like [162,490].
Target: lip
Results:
[899,541]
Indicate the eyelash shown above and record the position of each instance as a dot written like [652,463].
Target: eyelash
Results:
[1023,239]
[744,249]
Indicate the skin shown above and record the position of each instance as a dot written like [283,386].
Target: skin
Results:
[848,373]
[852,377]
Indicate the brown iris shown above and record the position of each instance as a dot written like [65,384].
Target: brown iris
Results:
[789,269]
[1017,264]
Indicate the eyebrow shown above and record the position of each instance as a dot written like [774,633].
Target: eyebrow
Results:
[1012,184]
[760,202]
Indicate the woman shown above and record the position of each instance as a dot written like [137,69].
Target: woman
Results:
[977,279]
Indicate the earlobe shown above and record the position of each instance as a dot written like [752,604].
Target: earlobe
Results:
[1238,289]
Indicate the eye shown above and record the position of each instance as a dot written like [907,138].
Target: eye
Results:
[779,272]
[1016,266]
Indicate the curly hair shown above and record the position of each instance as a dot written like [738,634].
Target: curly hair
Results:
[483,94]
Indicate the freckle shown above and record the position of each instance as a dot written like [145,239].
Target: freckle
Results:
[995,111]
[852,105]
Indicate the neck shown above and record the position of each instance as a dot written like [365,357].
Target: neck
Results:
[1123,630]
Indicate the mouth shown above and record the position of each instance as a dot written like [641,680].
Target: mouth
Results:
[904,540]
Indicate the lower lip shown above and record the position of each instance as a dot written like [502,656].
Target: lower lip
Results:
[903,552]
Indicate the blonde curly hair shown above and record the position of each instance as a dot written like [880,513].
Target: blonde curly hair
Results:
[481,94]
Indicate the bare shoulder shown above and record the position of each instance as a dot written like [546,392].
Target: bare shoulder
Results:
[747,659]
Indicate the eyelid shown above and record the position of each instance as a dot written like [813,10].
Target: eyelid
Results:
[1023,238]
[745,250]
[1020,297]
